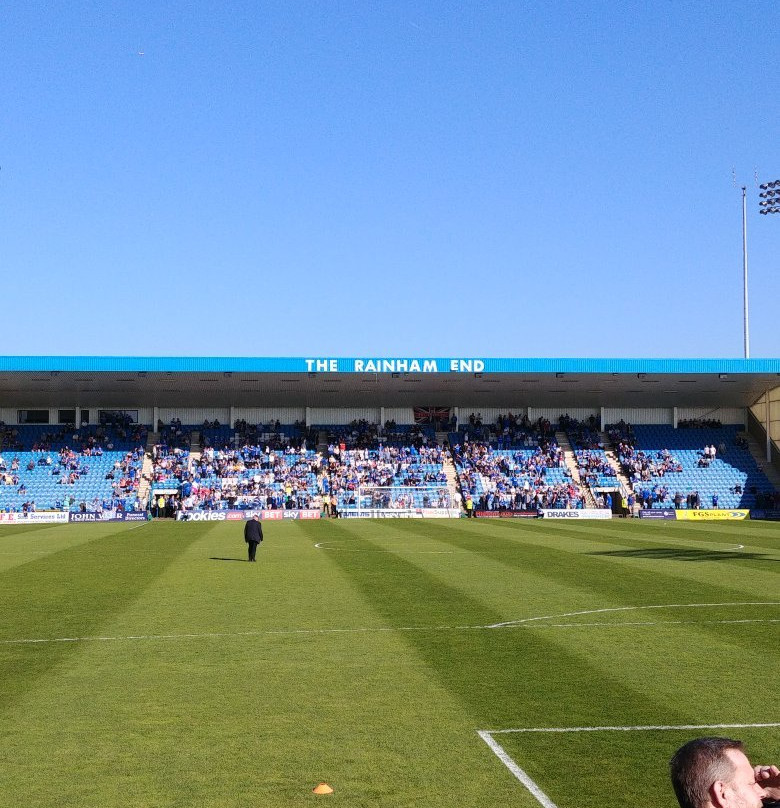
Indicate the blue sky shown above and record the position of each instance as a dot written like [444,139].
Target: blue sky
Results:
[387,178]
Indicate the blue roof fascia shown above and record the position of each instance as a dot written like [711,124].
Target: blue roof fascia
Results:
[214,364]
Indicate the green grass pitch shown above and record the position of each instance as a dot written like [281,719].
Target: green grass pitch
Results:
[150,666]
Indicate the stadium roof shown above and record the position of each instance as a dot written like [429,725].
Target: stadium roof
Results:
[29,381]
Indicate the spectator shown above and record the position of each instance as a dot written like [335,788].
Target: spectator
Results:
[715,773]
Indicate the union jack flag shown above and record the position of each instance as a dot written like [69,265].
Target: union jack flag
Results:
[431,415]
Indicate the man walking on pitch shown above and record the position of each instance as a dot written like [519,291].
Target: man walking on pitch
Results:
[253,535]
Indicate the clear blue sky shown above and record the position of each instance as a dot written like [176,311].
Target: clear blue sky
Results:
[387,178]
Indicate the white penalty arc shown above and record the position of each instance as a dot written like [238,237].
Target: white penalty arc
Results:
[585,612]
[528,623]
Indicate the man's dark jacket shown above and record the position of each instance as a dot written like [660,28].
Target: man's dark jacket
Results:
[253,531]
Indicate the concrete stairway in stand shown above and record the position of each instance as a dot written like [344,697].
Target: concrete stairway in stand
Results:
[562,439]
[147,468]
[758,451]
[322,442]
[612,459]
[453,484]
[195,449]
[443,438]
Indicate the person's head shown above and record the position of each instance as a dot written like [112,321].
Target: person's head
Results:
[255,517]
[714,772]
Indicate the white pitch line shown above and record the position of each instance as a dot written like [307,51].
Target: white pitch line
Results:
[639,728]
[629,609]
[534,789]
[24,552]
[519,773]
[321,545]
[377,630]
[624,624]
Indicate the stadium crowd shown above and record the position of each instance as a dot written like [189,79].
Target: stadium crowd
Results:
[500,479]
[75,468]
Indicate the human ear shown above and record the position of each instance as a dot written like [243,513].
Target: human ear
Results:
[719,794]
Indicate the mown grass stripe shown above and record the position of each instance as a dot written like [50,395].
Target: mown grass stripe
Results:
[74,591]
[596,570]
[483,669]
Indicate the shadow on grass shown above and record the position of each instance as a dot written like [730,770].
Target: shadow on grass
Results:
[677,554]
[219,558]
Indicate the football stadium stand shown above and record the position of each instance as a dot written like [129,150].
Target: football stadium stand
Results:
[515,479]
[700,465]
[89,468]
[346,435]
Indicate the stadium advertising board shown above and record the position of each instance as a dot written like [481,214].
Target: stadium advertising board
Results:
[381,513]
[108,516]
[239,516]
[658,513]
[507,514]
[773,515]
[36,518]
[576,513]
[307,514]
[201,516]
[704,515]
[96,516]
[400,513]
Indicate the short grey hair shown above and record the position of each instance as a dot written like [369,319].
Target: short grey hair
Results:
[698,764]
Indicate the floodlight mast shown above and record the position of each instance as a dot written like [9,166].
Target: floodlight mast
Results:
[770,197]
[770,203]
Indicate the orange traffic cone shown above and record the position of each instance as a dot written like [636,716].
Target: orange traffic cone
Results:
[322,788]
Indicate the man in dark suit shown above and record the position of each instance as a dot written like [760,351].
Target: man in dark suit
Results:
[253,535]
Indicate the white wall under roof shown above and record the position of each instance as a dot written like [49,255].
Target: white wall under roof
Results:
[343,415]
[401,415]
[638,415]
[759,410]
[195,415]
[264,415]
[10,415]
[405,415]
[489,414]
[726,415]
[552,414]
